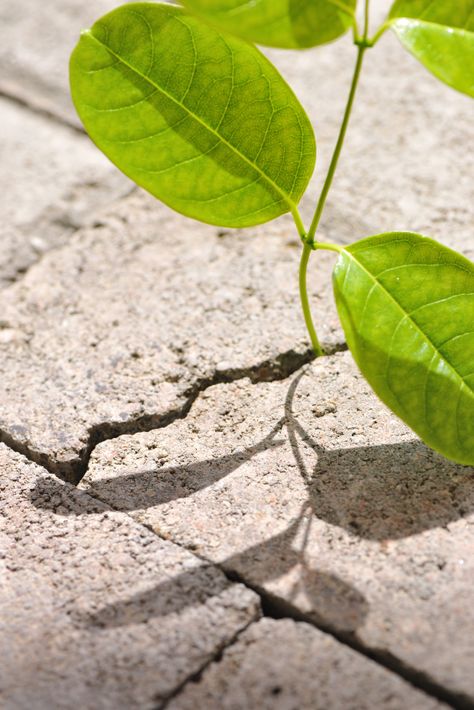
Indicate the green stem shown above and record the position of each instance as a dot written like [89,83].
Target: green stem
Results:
[307,249]
[340,142]
[366,19]
[308,241]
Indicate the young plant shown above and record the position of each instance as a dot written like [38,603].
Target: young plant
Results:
[184,104]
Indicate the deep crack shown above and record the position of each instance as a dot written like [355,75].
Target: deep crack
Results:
[274,607]
[72,471]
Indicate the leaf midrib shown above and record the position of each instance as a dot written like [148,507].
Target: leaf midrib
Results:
[289,202]
[408,317]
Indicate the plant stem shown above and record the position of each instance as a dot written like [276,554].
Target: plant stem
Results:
[317,349]
[337,150]
[309,243]
[366,20]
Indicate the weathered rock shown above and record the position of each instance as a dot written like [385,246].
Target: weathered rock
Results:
[97,612]
[283,665]
[52,179]
[117,330]
[313,492]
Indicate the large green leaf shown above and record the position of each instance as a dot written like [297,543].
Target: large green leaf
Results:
[407,307]
[202,121]
[440,33]
[290,24]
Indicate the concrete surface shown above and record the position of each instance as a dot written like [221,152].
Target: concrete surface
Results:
[116,330]
[64,557]
[283,665]
[53,182]
[332,511]
[312,492]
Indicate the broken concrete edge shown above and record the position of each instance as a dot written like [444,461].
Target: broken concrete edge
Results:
[271,605]
[38,105]
[275,607]
[72,471]
[283,663]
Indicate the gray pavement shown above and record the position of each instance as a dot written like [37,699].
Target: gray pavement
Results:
[162,365]
[310,491]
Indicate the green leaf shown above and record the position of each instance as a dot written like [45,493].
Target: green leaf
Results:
[289,24]
[202,121]
[440,34]
[406,304]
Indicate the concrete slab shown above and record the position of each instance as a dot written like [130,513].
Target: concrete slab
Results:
[118,330]
[283,665]
[97,612]
[313,492]
[51,182]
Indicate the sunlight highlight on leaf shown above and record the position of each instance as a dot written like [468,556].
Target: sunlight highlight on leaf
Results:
[202,121]
[406,304]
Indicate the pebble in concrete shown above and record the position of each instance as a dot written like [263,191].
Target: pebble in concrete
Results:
[52,180]
[64,556]
[133,315]
[313,492]
[283,665]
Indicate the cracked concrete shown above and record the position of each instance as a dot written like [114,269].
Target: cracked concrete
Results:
[63,556]
[117,330]
[313,493]
[332,512]
[283,665]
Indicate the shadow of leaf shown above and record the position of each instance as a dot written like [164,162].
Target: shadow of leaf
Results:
[382,492]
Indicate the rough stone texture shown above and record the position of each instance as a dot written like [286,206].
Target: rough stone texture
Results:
[332,510]
[313,492]
[97,612]
[283,665]
[51,180]
[124,322]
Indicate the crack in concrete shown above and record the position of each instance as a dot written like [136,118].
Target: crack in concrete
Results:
[278,608]
[215,658]
[281,367]
[11,93]
[274,607]
[278,368]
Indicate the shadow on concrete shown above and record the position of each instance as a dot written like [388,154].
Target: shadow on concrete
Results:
[147,488]
[380,492]
[332,602]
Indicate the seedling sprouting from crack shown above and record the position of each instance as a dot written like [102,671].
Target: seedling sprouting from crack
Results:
[183,103]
